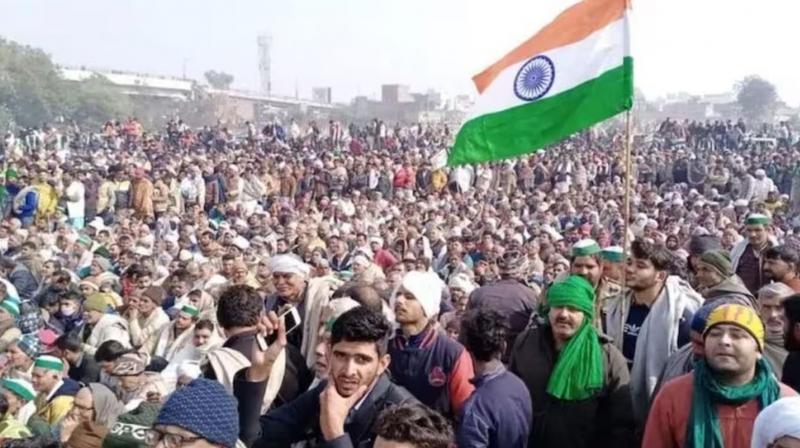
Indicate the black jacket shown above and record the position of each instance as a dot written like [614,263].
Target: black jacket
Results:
[299,420]
[604,420]
[86,372]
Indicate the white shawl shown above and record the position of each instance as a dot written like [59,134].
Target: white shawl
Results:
[167,345]
[658,337]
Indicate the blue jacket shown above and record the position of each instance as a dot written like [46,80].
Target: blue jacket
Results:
[28,207]
[498,414]
[434,368]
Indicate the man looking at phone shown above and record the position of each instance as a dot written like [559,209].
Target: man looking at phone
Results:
[341,411]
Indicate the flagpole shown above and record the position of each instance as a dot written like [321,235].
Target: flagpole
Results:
[628,163]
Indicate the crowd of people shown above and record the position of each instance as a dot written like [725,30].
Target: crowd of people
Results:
[306,285]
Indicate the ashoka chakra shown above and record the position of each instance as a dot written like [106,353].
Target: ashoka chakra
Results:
[534,78]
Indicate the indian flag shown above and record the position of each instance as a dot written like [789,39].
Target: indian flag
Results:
[573,73]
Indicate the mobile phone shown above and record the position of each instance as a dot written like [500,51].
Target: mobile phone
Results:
[291,319]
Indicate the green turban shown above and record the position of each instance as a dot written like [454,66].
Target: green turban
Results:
[578,372]
[575,292]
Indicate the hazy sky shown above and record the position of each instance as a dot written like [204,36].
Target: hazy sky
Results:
[354,46]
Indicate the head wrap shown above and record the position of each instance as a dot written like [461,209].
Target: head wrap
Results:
[613,254]
[585,248]
[19,387]
[780,419]
[463,282]
[719,261]
[129,364]
[48,362]
[758,219]
[204,408]
[191,310]
[426,288]
[106,405]
[99,301]
[513,264]
[155,294]
[11,307]
[700,319]
[289,264]
[241,243]
[741,316]
[578,372]
[29,344]
[104,264]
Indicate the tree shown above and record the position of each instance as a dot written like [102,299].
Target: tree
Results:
[94,101]
[219,80]
[32,91]
[757,98]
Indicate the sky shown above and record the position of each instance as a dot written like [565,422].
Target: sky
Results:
[354,46]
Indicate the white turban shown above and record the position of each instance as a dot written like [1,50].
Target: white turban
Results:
[780,419]
[426,287]
[463,282]
[289,264]
[241,242]
[361,260]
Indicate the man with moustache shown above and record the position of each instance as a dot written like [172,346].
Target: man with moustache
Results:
[577,379]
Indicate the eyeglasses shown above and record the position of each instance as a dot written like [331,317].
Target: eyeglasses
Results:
[82,408]
[155,437]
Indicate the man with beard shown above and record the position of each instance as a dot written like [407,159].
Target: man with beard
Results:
[309,296]
[747,256]
[770,308]
[577,379]
[586,261]
[341,411]
[715,279]
[651,320]
[781,264]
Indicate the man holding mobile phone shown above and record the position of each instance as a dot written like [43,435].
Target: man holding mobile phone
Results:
[309,297]
[343,409]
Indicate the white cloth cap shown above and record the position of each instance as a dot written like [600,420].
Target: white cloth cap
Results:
[463,282]
[780,419]
[241,242]
[289,264]
[426,288]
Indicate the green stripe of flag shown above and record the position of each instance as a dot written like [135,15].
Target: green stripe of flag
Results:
[528,127]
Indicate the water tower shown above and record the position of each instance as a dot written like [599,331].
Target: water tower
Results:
[264,63]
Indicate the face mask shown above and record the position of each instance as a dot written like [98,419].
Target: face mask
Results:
[68,310]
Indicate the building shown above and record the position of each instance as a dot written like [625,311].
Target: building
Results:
[395,94]
[321,95]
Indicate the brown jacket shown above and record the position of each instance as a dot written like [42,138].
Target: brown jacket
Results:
[142,198]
